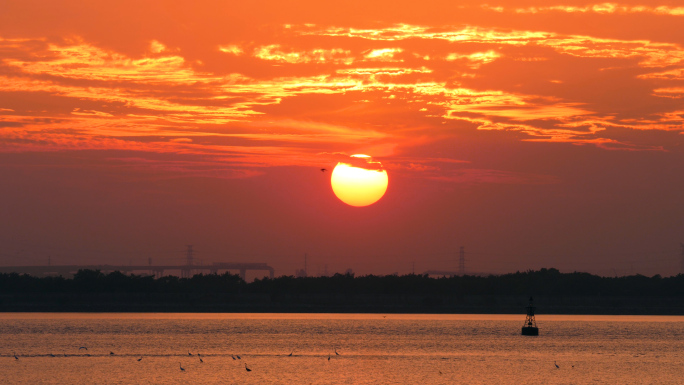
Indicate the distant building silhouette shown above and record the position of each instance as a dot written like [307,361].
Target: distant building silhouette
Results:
[303,273]
[300,273]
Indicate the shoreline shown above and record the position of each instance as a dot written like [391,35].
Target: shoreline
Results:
[638,308]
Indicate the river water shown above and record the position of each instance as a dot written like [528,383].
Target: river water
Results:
[371,349]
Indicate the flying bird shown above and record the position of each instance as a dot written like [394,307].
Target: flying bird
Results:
[247,369]
[82,347]
[324,169]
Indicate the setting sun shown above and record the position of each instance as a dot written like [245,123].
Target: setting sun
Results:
[361,182]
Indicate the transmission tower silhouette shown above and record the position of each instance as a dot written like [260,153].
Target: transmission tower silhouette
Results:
[187,271]
[190,255]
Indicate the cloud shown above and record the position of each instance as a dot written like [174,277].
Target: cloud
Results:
[276,52]
[363,161]
[305,89]
[231,49]
[476,59]
[157,47]
[383,54]
[601,8]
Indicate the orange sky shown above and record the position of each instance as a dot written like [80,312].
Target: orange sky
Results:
[534,133]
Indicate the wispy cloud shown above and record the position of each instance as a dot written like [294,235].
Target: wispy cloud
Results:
[326,88]
[601,8]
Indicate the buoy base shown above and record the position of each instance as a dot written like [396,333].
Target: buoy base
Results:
[530,331]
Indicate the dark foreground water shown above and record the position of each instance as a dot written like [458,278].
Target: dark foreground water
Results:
[373,349]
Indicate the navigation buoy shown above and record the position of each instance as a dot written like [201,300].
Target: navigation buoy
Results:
[530,327]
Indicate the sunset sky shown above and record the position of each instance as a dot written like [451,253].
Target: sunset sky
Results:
[533,133]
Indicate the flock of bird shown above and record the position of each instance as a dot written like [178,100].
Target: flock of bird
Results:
[233,356]
[558,367]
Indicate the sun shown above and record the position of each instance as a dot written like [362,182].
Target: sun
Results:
[360,181]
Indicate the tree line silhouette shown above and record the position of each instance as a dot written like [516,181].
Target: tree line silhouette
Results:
[558,292]
[544,281]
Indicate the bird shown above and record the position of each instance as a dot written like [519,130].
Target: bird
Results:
[140,359]
[336,353]
[65,355]
[189,353]
[557,367]
[238,356]
[111,353]
[233,356]
[328,357]
[247,369]
[324,169]
[15,356]
[290,355]
[181,367]
[82,347]
[52,355]
[202,361]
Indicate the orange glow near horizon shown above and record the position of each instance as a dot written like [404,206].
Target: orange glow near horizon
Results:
[358,186]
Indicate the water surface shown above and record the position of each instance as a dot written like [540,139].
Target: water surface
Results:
[372,349]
